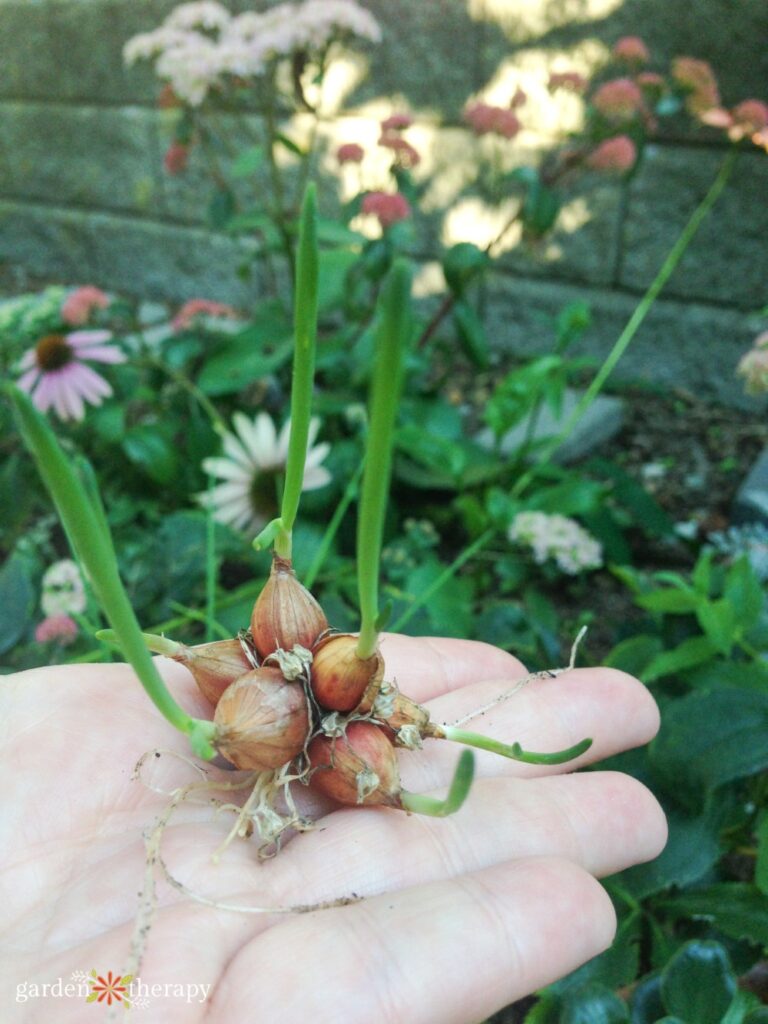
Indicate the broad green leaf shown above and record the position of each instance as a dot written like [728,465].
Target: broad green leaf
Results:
[671,602]
[646,1006]
[761,866]
[334,266]
[694,651]
[737,909]
[698,983]
[634,654]
[17,599]
[593,1004]
[241,362]
[702,574]
[708,739]
[692,848]
[757,1016]
[718,620]
[248,161]
[615,967]
[151,450]
[744,593]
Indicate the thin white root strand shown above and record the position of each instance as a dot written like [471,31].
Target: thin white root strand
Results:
[547,673]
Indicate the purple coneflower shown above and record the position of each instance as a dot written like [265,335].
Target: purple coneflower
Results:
[55,373]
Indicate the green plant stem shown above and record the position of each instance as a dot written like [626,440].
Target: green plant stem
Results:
[511,750]
[635,321]
[349,495]
[217,421]
[457,794]
[153,642]
[391,337]
[305,329]
[87,534]
[450,570]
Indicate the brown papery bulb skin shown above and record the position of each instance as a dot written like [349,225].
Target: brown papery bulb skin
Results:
[344,762]
[262,720]
[408,712]
[214,665]
[285,613]
[339,678]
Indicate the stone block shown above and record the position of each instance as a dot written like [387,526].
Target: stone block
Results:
[686,345]
[105,157]
[600,423]
[137,257]
[728,260]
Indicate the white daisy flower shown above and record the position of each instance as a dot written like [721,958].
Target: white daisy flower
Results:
[247,497]
[63,590]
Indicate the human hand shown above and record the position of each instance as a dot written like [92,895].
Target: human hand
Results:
[462,915]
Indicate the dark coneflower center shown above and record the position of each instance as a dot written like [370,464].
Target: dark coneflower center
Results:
[264,500]
[53,351]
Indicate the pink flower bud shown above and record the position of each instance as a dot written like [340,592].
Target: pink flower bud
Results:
[176,157]
[79,304]
[195,308]
[632,50]
[569,80]
[350,153]
[405,154]
[485,119]
[396,123]
[698,80]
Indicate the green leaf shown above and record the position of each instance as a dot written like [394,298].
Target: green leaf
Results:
[593,1004]
[150,450]
[702,574]
[333,233]
[761,866]
[248,161]
[240,363]
[692,848]
[290,145]
[757,1016]
[737,909]
[17,599]
[334,267]
[708,739]
[540,208]
[694,651]
[698,983]
[471,333]
[615,967]
[634,654]
[744,593]
[646,1006]
[718,620]
[671,602]
[221,208]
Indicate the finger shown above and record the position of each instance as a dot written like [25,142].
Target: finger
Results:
[425,667]
[453,951]
[612,708]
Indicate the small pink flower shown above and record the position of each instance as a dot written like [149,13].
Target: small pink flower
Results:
[618,100]
[56,627]
[350,153]
[570,80]
[485,119]
[79,304]
[753,366]
[176,157]
[614,156]
[749,118]
[632,50]
[405,154]
[195,308]
[396,123]
[698,80]
[55,373]
[650,81]
[388,207]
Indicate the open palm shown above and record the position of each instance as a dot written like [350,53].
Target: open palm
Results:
[462,914]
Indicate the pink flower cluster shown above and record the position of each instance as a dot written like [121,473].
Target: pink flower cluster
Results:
[59,628]
[613,156]
[79,304]
[747,120]
[387,207]
[485,119]
[619,100]
[698,80]
[194,308]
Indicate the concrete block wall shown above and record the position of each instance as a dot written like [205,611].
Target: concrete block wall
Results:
[83,197]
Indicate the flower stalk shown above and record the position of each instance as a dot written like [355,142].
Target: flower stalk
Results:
[391,337]
[88,534]
[511,750]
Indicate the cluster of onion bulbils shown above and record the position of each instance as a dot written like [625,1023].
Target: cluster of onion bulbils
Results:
[295,698]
